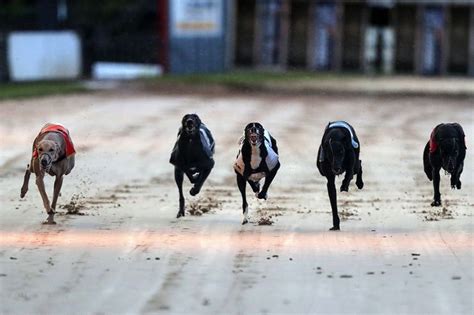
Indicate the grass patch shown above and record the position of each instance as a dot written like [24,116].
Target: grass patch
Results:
[35,89]
[247,78]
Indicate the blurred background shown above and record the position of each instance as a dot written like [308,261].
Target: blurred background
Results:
[65,39]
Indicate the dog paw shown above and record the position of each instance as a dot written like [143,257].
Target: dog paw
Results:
[458,184]
[50,220]
[436,203]
[262,195]
[360,184]
[335,228]
[256,187]
[23,192]
[180,214]
[344,187]
[245,221]
[194,191]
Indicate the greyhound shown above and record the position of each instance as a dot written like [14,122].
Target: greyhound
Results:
[54,154]
[192,155]
[339,153]
[257,159]
[446,149]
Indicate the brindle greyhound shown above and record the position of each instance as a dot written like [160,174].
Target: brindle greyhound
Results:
[54,154]
[339,153]
[446,149]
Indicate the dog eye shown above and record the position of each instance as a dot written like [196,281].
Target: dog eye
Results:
[51,150]
[40,149]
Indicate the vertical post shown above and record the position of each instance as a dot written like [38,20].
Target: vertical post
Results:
[163,34]
[471,42]
[396,27]
[445,41]
[419,39]
[310,38]
[230,11]
[339,37]
[284,33]
[363,28]
[257,40]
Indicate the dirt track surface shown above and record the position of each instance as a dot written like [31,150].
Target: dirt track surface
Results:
[128,254]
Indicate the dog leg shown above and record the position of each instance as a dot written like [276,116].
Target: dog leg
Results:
[200,181]
[426,162]
[178,177]
[58,183]
[460,169]
[359,181]
[26,180]
[268,180]
[44,196]
[455,177]
[254,185]
[333,199]
[245,208]
[347,180]
[437,196]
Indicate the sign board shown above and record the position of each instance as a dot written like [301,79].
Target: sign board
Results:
[196,18]
[44,55]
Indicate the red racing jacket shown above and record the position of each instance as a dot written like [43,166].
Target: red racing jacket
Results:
[63,132]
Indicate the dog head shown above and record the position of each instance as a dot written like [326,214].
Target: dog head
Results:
[48,153]
[449,150]
[336,153]
[254,133]
[451,144]
[190,124]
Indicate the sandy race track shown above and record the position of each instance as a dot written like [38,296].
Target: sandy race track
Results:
[127,253]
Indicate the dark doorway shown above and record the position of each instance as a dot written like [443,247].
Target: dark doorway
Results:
[245,32]
[352,36]
[379,40]
[299,15]
[405,38]
[458,40]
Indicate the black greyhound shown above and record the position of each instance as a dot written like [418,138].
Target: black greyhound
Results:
[192,155]
[257,158]
[446,149]
[339,153]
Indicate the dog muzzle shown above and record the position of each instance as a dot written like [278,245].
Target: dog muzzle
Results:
[45,162]
[254,139]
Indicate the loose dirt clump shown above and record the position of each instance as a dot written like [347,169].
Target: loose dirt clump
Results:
[203,205]
[265,221]
[348,214]
[195,209]
[74,206]
[444,213]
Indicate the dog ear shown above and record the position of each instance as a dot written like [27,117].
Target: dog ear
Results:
[183,120]
[198,119]
[461,135]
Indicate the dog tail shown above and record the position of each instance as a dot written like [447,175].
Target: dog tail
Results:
[426,162]
[26,179]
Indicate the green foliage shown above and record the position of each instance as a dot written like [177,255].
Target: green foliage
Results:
[36,89]
[247,78]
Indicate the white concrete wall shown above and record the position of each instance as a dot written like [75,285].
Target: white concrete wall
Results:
[44,55]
